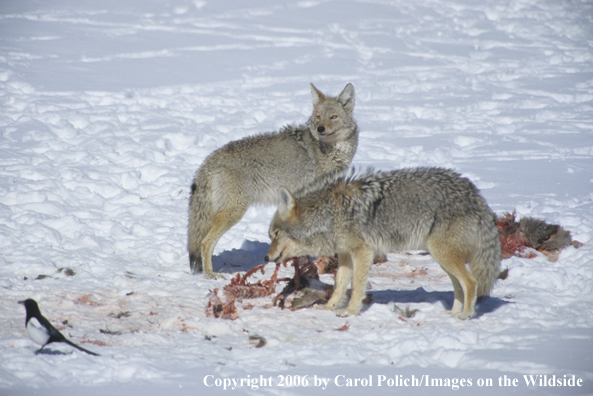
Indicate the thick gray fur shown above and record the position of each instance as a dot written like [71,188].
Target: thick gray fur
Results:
[432,209]
[250,171]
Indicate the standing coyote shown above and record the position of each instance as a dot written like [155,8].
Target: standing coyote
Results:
[250,170]
[361,216]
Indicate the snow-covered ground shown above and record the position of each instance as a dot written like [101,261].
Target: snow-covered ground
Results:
[107,109]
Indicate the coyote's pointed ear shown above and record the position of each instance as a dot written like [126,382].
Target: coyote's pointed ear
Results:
[287,206]
[316,95]
[346,98]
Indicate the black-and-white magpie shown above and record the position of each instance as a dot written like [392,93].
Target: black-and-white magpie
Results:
[43,332]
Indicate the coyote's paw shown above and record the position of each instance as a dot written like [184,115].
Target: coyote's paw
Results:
[214,275]
[452,312]
[347,312]
[464,315]
[324,307]
[343,313]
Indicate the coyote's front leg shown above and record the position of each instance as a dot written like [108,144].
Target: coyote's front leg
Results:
[343,277]
[362,258]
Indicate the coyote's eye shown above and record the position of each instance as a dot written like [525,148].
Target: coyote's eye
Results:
[334,117]
[276,234]
[318,117]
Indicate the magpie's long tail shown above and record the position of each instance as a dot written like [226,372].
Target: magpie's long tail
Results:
[80,348]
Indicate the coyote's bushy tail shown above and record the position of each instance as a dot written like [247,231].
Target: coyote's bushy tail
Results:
[485,263]
[200,215]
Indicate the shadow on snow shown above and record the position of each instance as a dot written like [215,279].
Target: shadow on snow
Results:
[420,295]
[252,253]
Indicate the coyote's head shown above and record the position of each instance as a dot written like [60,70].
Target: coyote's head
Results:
[332,120]
[286,220]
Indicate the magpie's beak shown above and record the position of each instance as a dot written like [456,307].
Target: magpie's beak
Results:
[21,302]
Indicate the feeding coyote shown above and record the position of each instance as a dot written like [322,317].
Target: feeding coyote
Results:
[374,213]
